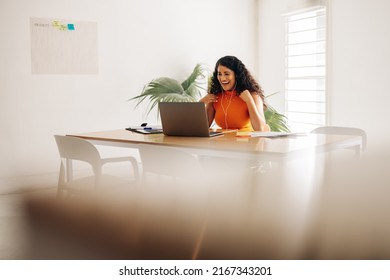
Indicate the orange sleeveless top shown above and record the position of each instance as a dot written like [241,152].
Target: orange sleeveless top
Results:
[231,112]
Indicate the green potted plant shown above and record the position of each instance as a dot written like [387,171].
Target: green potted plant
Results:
[275,120]
[166,89]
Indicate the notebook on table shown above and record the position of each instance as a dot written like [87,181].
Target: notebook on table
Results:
[185,119]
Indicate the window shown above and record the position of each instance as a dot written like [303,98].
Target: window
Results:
[305,66]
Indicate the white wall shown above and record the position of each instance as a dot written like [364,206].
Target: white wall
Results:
[271,50]
[360,73]
[359,62]
[138,41]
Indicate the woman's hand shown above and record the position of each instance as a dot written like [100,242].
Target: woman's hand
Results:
[246,96]
[208,101]
[209,98]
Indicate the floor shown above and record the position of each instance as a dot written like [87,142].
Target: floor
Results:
[13,235]
[14,231]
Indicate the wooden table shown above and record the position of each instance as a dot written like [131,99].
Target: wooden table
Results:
[228,145]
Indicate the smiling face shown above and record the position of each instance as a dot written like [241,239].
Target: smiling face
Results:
[226,77]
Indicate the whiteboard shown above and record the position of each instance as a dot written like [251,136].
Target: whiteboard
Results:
[63,46]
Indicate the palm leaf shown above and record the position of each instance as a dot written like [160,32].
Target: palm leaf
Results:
[165,89]
[275,120]
[160,90]
[192,85]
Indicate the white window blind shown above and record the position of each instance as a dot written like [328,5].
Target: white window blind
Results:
[305,83]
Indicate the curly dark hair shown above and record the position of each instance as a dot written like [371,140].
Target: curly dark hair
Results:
[244,79]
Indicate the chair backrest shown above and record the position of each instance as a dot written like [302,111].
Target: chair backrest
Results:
[74,148]
[343,130]
[169,161]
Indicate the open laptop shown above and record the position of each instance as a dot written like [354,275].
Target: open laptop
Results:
[185,119]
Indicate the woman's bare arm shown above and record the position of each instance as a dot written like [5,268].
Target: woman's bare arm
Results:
[256,112]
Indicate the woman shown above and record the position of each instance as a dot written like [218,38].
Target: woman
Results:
[235,100]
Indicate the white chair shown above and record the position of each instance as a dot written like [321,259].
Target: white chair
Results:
[75,148]
[343,130]
[169,162]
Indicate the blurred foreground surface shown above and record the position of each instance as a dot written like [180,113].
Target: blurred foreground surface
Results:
[336,208]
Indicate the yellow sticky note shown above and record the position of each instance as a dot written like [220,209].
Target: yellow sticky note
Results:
[243,134]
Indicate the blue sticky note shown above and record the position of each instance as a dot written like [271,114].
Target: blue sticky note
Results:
[70,26]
